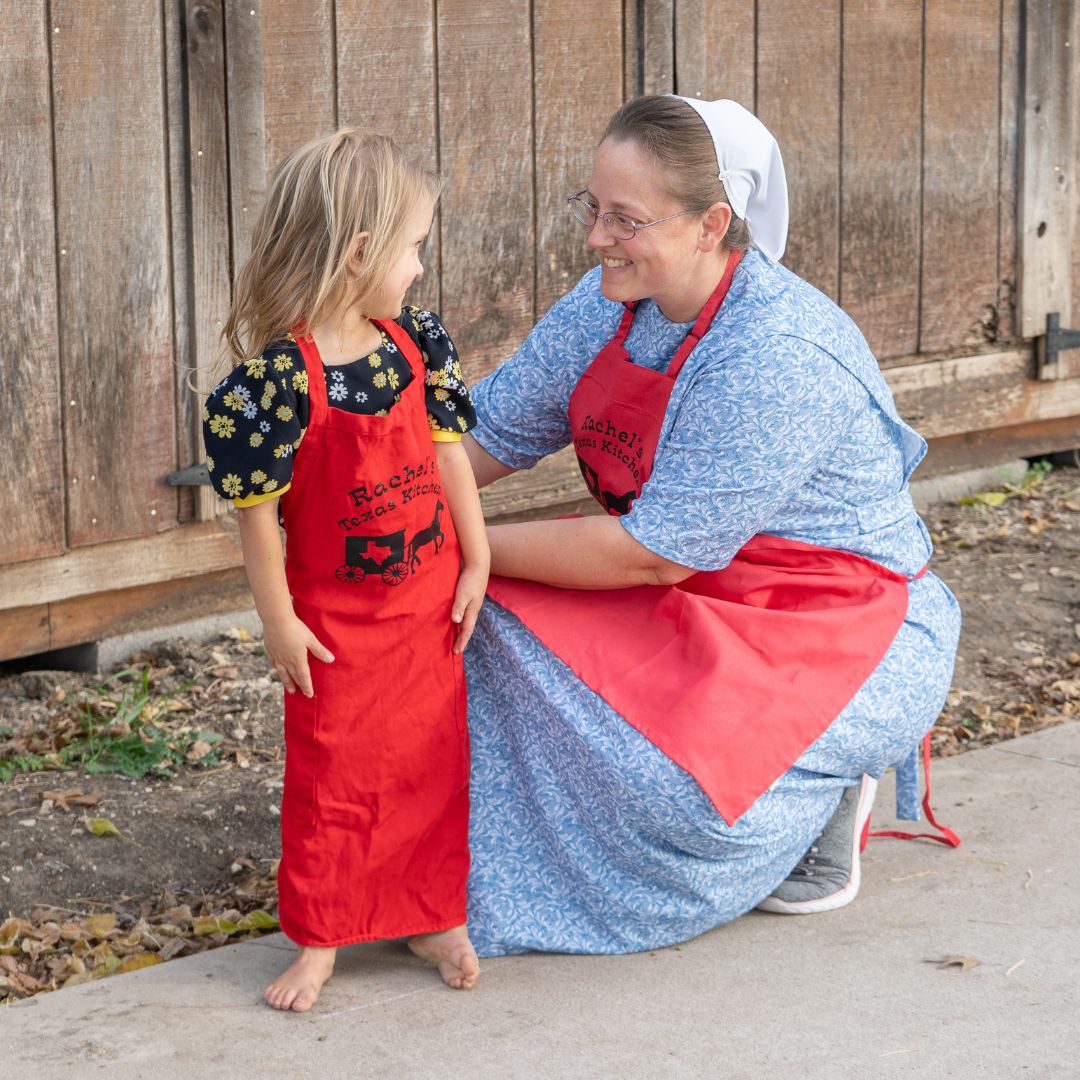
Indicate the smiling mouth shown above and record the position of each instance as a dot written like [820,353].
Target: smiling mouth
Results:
[616,262]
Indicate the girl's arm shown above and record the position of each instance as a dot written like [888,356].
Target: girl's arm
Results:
[464,503]
[579,553]
[286,638]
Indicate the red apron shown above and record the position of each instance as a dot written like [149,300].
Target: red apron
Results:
[374,818]
[733,673]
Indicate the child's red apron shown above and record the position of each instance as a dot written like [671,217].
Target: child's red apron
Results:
[374,819]
[735,672]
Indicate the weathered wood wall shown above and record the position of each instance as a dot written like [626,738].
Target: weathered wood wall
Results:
[138,136]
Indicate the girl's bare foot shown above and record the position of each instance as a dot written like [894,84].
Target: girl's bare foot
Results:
[452,952]
[298,986]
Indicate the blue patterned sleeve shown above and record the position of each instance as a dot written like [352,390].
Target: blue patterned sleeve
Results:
[521,406]
[749,432]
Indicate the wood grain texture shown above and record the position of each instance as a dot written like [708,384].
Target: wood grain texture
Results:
[486,153]
[298,73]
[1008,167]
[881,171]
[568,126]
[188,402]
[1046,196]
[247,122]
[29,630]
[960,174]
[386,82]
[31,464]
[184,552]
[976,449]
[798,99]
[715,45]
[631,60]
[208,167]
[656,46]
[115,312]
[24,632]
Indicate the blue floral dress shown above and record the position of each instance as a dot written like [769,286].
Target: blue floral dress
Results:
[585,837]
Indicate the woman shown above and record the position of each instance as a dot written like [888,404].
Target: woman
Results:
[667,703]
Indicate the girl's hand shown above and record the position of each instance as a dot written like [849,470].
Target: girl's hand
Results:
[288,642]
[471,586]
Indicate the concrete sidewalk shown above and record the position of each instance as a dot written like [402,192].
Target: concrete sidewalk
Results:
[842,995]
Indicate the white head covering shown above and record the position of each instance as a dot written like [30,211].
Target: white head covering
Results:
[751,170]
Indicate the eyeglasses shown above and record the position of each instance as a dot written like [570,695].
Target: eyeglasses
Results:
[619,226]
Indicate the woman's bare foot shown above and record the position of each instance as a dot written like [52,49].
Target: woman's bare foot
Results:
[298,986]
[452,952]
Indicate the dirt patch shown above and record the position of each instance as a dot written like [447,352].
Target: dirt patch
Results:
[187,854]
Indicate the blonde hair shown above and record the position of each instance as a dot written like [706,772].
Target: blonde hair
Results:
[676,138]
[320,197]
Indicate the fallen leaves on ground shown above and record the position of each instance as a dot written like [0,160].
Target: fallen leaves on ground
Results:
[964,963]
[57,947]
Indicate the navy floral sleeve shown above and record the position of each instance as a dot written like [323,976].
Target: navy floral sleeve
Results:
[255,418]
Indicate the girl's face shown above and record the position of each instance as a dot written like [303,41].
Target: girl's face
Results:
[386,301]
[663,262]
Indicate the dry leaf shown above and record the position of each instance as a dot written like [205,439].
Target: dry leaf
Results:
[101,826]
[964,963]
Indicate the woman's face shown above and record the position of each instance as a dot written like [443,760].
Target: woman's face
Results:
[663,262]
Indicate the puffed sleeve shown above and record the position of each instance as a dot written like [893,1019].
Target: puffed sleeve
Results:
[749,432]
[253,422]
[449,406]
[521,406]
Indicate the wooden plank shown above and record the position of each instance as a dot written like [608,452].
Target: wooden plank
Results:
[971,393]
[146,607]
[189,445]
[656,46]
[112,224]
[31,465]
[1008,170]
[959,271]
[208,167]
[1046,196]
[386,82]
[880,171]
[30,630]
[247,135]
[298,73]
[631,60]
[486,154]
[798,99]
[24,631]
[715,47]
[555,481]
[975,449]
[183,552]
[568,126]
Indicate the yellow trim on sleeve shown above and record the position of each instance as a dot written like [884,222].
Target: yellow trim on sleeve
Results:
[438,435]
[254,500]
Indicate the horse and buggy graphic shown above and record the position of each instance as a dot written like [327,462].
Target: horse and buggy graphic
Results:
[398,557]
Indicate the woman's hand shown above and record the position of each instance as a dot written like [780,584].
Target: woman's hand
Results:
[288,642]
[471,587]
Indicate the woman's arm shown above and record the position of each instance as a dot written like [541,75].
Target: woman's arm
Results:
[286,638]
[579,553]
[486,469]
[464,504]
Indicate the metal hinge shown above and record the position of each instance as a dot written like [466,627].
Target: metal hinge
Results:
[1055,341]
[192,476]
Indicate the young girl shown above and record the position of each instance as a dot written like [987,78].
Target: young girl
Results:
[344,415]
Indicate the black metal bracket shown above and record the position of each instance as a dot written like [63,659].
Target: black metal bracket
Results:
[192,476]
[1056,339]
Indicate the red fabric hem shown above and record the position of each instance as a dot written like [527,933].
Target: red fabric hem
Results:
[360,939]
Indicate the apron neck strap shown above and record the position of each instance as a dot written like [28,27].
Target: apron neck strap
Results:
[705,319]
[624,326]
